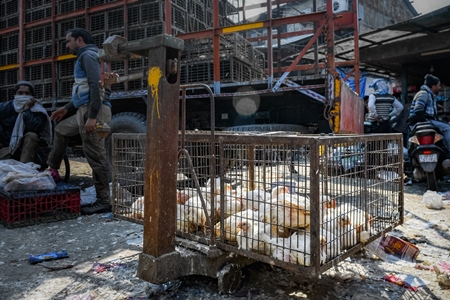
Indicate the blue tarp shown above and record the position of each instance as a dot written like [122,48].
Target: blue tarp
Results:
[351,82]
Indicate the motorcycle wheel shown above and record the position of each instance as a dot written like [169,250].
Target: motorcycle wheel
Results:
[431,181]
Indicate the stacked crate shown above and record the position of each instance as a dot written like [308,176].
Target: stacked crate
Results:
[37,10]
[9,47]
[9,13]
[239,61]
[44,39]
[39,46]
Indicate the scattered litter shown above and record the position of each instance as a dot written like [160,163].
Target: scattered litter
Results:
[432,200]
[34,259]
[407,281]
[445,195]
[424,267]
[442,270]
[155,289]
[135,242]
[88,196]
[391,249]
[83,296]
[108,215]
[102,267]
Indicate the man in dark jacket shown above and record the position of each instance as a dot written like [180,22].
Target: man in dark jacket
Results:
[424,107]
[23,123]
[92,109]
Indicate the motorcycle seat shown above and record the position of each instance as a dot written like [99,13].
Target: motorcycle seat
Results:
[424,127]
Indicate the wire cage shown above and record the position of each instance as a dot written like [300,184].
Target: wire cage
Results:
[301,202]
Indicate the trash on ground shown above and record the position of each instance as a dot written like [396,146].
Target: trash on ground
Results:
[391,249]
[90,295]
[155,289]
[88,196]
[135,242]
[102,267]
[442,270]
[34,259]
[407,281]
[432,200]
[445,195]
[422,266]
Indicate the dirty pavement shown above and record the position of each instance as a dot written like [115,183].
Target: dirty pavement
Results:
[104,251]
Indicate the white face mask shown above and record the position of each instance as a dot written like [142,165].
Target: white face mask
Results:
[19,102]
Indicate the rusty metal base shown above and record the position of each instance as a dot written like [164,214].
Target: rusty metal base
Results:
[191,258]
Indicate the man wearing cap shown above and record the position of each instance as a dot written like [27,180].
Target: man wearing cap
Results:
[23,123]
[424,107]
[382,107]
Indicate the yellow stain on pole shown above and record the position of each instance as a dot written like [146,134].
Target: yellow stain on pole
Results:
[154,76]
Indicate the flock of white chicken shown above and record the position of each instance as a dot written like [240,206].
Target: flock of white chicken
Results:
[276,224]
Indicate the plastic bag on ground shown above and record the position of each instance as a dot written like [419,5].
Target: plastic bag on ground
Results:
[20,181]
[11,165]
[433,200]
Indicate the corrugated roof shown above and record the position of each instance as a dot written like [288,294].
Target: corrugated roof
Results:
[421,43]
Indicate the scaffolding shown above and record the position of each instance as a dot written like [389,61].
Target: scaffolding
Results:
[228,42]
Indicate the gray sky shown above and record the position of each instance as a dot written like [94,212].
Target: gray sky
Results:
[425,6]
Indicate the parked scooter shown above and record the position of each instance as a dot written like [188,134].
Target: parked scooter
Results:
[427,153]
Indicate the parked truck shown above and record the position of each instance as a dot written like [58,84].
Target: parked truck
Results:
[283,81]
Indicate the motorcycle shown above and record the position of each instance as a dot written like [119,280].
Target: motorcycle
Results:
[427,153]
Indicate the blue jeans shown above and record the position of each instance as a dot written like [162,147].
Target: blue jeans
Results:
[444,128]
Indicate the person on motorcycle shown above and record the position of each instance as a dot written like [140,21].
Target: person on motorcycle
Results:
[382,107]
[424,107]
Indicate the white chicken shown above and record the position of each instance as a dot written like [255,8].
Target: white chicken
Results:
[182,197]
[358,220]
[137,209]
[217,186]
[278,190]
[182,223]
[297,249]
[333,244]
[231,205]
[341,227]
[195,214]
[193,192]
[285,215]
[253,235]
[230,224]
[301,248]
[253,199]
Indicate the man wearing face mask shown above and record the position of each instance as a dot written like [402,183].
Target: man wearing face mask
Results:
[23,123]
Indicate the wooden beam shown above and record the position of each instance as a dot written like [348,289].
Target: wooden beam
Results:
[411,47]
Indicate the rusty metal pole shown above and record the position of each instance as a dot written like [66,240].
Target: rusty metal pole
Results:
[162,146]
[160,187]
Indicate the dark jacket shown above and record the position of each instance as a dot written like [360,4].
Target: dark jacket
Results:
[33,121]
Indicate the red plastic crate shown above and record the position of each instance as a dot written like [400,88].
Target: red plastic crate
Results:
[25,208]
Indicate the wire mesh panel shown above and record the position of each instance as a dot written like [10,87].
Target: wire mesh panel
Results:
[128,176]
[296,201]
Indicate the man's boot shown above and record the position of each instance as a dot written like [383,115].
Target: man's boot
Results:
[98,207]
